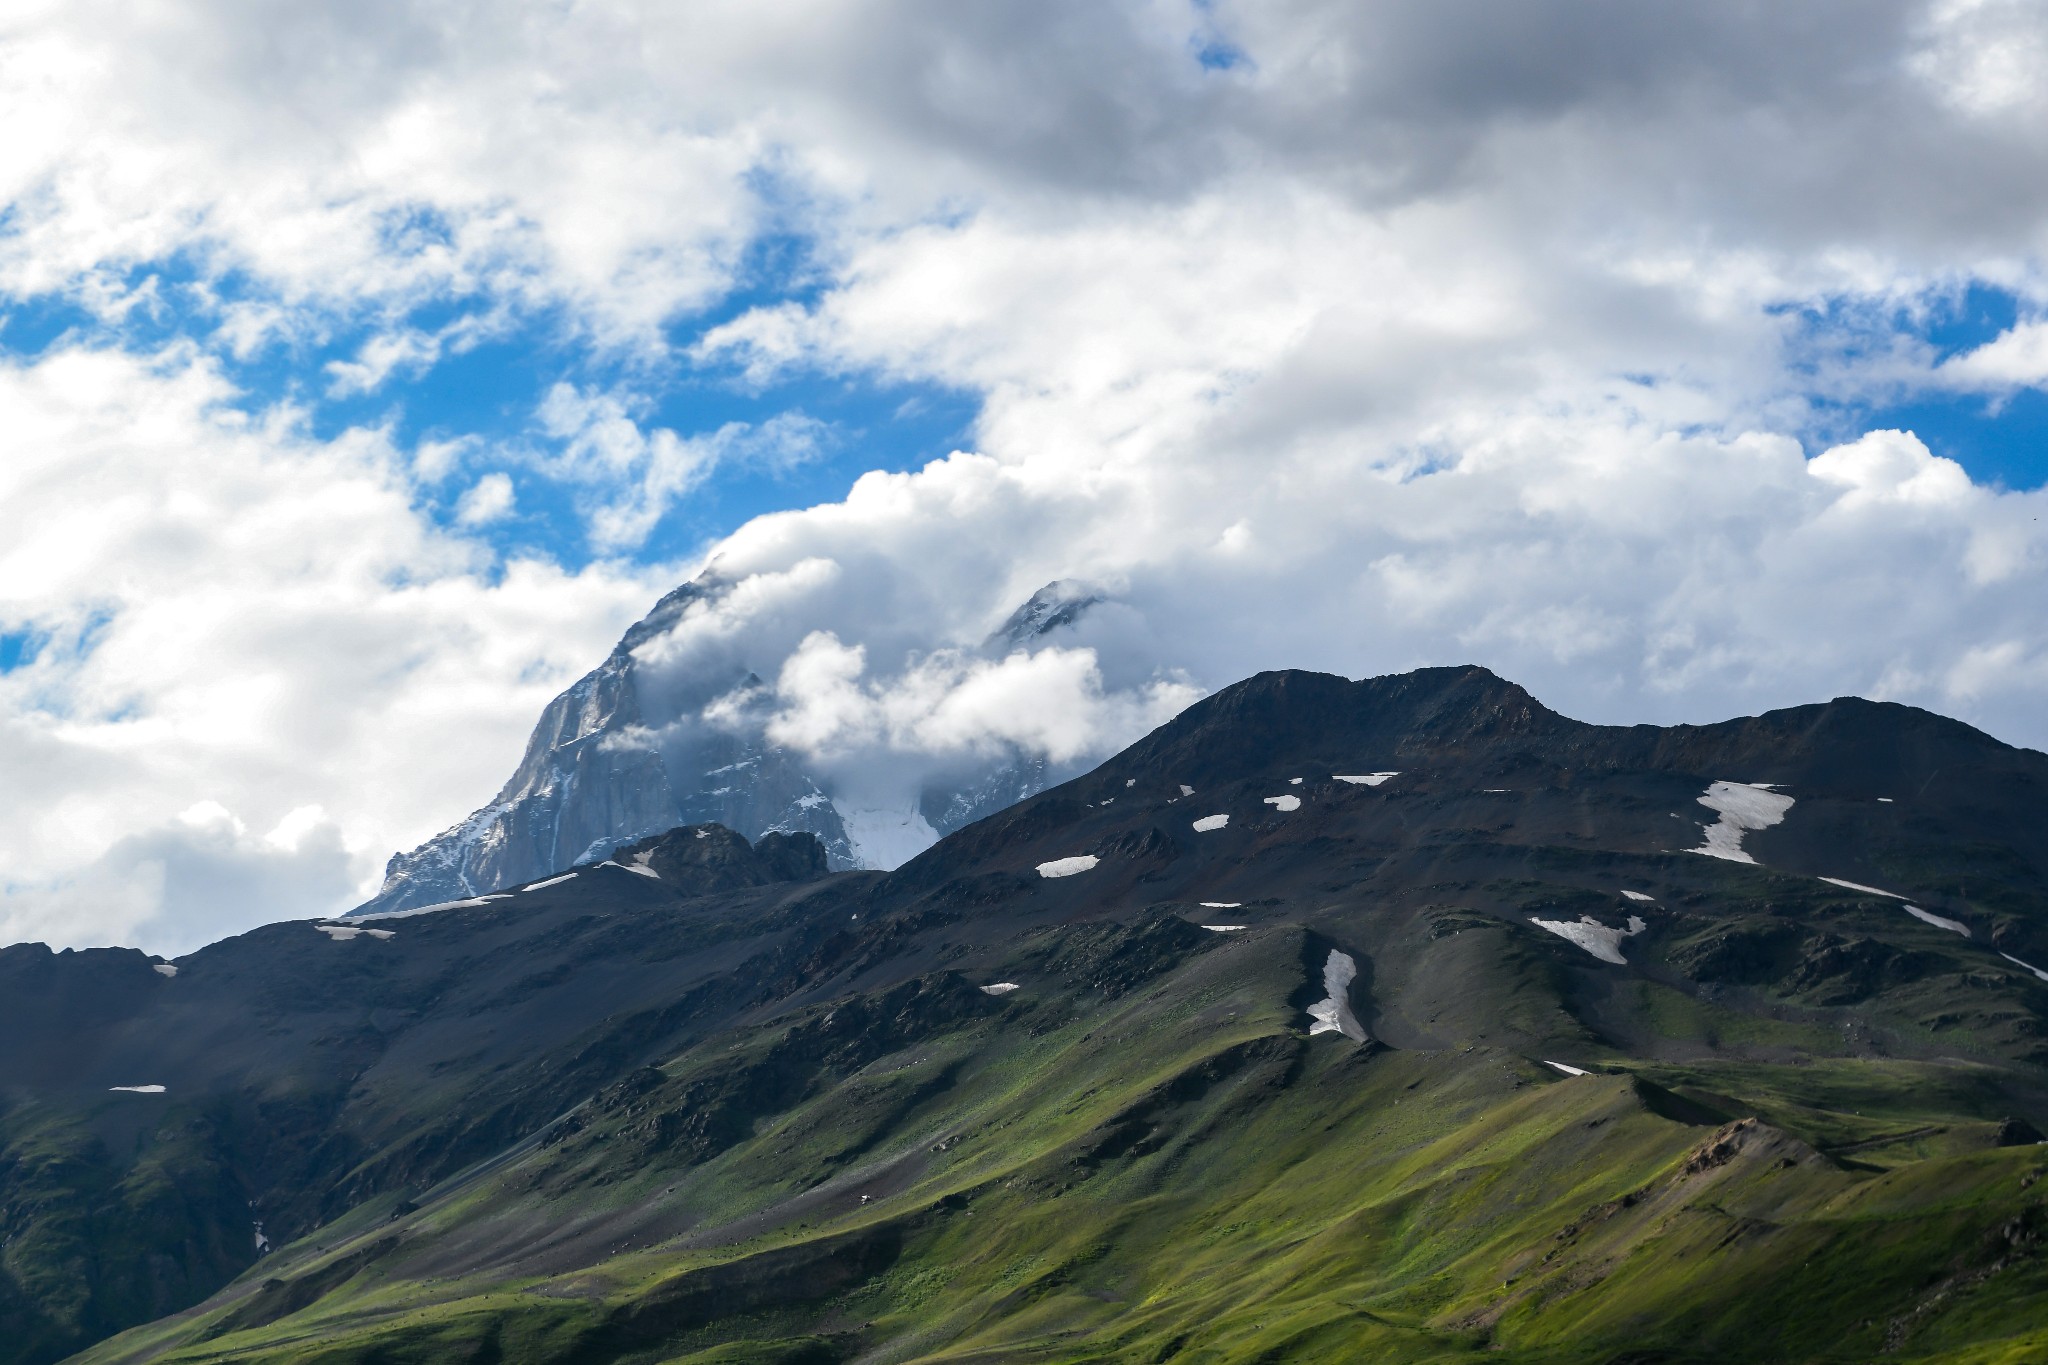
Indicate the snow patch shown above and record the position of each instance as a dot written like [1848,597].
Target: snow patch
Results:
[164,968]
[342,933]
[1599,939]
[1294,782]
[2028,965]
[262,1242]
[999,988]
[1742,806]
[1568,1070]
[1209,822]
[554,881]
[640,864]
[1886,799]
[885,837]
[1363,779]
[1224,928]
[139,1089]
[1859,886]
[1284,802]
[1953,926]
[1067,867]
[1221,905]
[1130,782]
[1639,896]
[435,909]
[1332,1014]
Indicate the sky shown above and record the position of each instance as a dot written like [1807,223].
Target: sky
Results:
[367,367]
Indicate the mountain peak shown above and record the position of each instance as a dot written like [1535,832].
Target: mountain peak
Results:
[628,751]
[1299,717]
[1061,602]
[665,613]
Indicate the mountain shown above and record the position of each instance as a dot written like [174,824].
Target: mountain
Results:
[1400,1019]
[627,752]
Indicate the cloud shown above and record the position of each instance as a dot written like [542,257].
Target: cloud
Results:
[1894,467]
[488,499]
[378,155]
[240,624]
[379,359]
[1047,703]
[638,474]
[372,157]
[2015,358]
[633,476]
[1623,572]
[190,881]
[1981,56]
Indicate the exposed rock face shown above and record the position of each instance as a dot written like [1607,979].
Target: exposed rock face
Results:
[1059,603]
[616,758]
[703,860]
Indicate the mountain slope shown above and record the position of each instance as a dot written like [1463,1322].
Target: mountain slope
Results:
[1475,1054]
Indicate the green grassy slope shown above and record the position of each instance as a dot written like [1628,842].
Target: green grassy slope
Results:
[1169,1169]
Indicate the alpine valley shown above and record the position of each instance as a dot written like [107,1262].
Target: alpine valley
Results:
[1394,1020]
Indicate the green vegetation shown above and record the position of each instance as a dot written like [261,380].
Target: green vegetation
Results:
[93,1263]
[1166,1168]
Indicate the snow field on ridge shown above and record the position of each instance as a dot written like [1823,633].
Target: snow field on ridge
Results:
[1332,1014]
[1602,941]
[1938,921]
[1743,807]
[342,933]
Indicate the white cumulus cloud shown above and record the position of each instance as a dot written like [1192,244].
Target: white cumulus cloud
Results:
[1049,702]
[488,499]
[233,626]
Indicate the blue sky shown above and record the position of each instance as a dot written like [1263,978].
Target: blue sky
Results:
[1999,438]
[487,395]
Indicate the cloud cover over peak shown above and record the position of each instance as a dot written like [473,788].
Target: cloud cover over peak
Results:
[1600,345]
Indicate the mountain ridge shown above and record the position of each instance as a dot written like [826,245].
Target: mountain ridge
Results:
[1468,720]
[1060,1085]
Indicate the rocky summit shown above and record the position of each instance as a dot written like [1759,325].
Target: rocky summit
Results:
[1393,1020]
[656,736]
